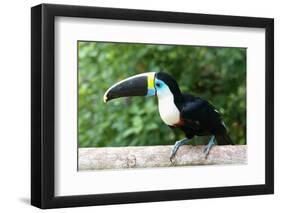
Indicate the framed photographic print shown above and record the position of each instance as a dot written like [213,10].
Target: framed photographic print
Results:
[140,106]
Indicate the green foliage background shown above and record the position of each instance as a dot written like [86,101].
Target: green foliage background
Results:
[215,74]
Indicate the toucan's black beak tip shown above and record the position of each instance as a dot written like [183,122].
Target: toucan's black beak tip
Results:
[105,98]
[109,95]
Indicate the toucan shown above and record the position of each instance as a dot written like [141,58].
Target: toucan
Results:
[191,114]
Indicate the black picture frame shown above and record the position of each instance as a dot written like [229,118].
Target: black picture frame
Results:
[43,102]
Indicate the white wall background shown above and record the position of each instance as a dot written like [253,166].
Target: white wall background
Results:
[15,106]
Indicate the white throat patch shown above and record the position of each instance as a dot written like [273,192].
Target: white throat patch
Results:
[169,112]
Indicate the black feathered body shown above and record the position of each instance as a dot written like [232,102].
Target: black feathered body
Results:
[198,117]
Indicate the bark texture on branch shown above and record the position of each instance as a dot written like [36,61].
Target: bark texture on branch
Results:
[158,156]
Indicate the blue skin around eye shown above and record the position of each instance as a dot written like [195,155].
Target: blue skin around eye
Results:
[152,92]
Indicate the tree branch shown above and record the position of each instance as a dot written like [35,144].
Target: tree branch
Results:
[158,156]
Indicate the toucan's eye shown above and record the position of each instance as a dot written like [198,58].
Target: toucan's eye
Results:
[157,84]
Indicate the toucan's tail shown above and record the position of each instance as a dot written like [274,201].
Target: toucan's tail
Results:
[224,139]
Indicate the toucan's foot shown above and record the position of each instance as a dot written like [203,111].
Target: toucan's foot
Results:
[208,147]
[176,147]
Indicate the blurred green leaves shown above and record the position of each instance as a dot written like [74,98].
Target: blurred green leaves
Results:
[215,74]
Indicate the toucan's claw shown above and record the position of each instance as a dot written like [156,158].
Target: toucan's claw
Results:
[172,157]
[176,147]
[208,147]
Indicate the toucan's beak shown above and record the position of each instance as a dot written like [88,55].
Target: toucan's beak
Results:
[137,85]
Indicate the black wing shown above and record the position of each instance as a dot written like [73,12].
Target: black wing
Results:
[201,116]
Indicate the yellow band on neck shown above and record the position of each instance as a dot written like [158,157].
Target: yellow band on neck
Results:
[150,81]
